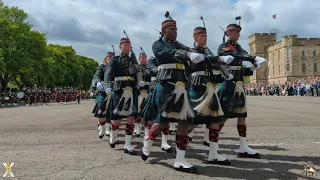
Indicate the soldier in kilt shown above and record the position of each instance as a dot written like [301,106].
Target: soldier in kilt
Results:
[101,107]
[148,112]
[232,95]
[204,82]
[170,97]
[122,80]
[143,91]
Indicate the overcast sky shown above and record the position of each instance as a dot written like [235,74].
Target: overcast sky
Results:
[91,26]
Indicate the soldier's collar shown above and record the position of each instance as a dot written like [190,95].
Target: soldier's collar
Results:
[165,39]
[199,48]
[231,42]
[124,55]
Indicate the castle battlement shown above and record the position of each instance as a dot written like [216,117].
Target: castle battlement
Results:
[262,37]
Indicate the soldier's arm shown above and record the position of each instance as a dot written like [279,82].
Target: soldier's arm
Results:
[101,73]
[151,65]
[168,55]
[109,73]
[241,55]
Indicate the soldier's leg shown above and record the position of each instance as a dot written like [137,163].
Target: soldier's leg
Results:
[128,137]
[173,127]
[180,163]
[244,150]
[101,126]
[155,130]
[108,126]
[206,140]
[115,124]
[147,127]
[164,140]
[214,157]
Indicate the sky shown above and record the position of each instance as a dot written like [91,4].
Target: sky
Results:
[91,26]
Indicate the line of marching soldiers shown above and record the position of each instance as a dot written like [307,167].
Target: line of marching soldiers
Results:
[36,96]
[180,85]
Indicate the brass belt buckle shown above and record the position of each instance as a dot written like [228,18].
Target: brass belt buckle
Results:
[179,66]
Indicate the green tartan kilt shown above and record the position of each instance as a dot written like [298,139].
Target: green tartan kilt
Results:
[195,92]
[161,94]
[100,106]
[148,113]
[225,94]
[115,99]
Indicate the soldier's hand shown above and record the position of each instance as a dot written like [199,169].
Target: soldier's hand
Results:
[99,86]
[260,60]
[226,59]
[195,57]
[141,83]
[108,90]
[255,68]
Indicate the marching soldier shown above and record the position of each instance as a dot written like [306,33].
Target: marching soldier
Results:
[205,79]
[122,77]
[100,110]
[232,95]
[148,111]
[170,98]
[143,91]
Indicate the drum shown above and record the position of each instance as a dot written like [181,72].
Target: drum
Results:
[20,95]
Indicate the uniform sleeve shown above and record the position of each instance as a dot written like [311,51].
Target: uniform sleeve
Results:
[152,65]
[109,74]
[163,53]
[225,50]
[101,72]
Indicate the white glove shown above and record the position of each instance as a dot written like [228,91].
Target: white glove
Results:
[99,86]
[260,60]
[228,79]
[141,83]
[108,90]
[196,57]
[227,59]
[252,68]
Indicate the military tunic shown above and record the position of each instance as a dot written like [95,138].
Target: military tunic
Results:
[121,72]
[202,73]
[171,69]
[227,88]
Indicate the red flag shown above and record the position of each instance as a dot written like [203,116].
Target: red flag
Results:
[274,16]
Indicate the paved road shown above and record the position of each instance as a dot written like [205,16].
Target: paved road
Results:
[60,142]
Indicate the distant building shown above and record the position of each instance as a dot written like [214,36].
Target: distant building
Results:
[289,59]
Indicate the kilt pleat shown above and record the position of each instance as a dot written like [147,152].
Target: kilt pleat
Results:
[100,106]
[148,113]
[115,99]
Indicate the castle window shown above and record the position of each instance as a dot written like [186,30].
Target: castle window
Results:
[315,67]
[273,70]
[303,67]
[288,52]
[314,53]
[303,53]
[279,70]
[279,55]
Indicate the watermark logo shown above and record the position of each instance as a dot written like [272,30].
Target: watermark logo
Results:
[309,169]
[8,165]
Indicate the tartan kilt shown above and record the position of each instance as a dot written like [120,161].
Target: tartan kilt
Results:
[115,99]
[161,94]
[100,106]
[195,92]
[148,113]
[225,94]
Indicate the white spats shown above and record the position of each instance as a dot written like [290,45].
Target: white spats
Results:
[186,110]
[108,128]
[180,162]
[102,129]
[173,127]
[127,144]
[213,153]
[203,108]
[137,128]
[113,136]
[127,98]
[147,147]
[244,148]
[206,136]
[164,142]
[146,133]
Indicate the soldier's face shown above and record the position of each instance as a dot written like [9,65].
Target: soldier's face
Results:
[143,60]
[125,48]
[171,33]
[107,59]
[200,39]
[233,35]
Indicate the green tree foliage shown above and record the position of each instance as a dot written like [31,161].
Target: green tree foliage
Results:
[27,60]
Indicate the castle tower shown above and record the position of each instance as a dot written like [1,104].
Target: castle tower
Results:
[258,44]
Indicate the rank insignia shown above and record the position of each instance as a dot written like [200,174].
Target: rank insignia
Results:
[226,49]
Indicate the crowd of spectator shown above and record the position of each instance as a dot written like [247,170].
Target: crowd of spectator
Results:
[308,86]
